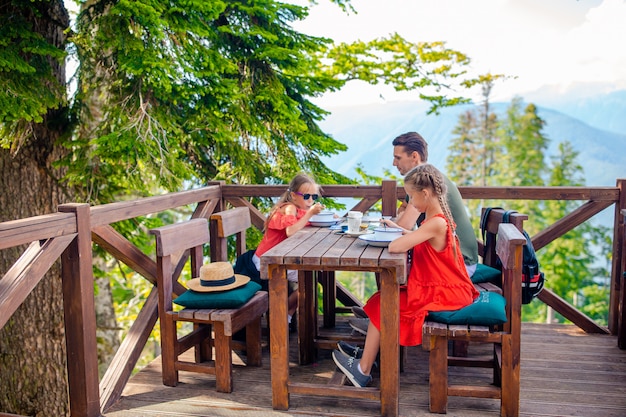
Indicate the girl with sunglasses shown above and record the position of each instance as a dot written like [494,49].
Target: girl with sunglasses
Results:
[290,214]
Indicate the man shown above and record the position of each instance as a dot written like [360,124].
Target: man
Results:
[410,150]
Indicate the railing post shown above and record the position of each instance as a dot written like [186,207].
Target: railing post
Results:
[221,206]
[390,198]
[80,317]
[617,271]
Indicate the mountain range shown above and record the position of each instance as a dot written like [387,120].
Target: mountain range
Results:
[595,126]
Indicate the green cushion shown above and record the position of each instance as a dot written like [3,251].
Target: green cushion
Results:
[223,299]
[486,273]
[486,310]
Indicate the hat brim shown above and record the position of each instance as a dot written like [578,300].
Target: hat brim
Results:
[195,285]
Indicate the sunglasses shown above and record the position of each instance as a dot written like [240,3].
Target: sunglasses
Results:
[307,195]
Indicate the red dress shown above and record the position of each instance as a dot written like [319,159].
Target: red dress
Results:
[437,281]
[276,230]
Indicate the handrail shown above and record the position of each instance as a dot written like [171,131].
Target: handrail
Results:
[59,234]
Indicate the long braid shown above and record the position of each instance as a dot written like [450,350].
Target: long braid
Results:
[442,191]
[427,176]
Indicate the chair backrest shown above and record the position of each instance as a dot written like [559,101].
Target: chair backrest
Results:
[228,223]
[510,252]
[174,244]
[491,225]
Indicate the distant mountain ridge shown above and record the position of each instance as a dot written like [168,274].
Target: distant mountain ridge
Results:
[368,131]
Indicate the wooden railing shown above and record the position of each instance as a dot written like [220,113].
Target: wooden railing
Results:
[68,235]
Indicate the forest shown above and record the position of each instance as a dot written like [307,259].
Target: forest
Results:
[131,99]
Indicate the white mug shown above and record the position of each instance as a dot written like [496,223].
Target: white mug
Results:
[354,221]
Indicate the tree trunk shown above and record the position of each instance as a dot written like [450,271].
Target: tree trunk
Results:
[33,378]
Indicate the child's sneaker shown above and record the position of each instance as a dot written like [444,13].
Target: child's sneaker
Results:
[359,325]
[359,313]
[350,367]
[354,351]
[349,350]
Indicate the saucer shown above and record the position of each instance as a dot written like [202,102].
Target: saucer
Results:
[371,240]
[356,234]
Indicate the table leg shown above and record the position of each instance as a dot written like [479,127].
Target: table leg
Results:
[307,317]
[329,285]
[389,344]
[279,342]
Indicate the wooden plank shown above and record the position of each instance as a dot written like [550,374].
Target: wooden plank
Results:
[119,370]
[570,312]
[178,237]
[552,383]
[540,193]
[366,393]
[25,274]
[233,221]
[114,212]
[121,248]
[389,198]
[257,217]
[371,256]
[315,255]
[332,257]
[352,254]
[80,317]
[298,252]
[23,231]
[569,222]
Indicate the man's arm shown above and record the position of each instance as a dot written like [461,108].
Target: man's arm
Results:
[408,217]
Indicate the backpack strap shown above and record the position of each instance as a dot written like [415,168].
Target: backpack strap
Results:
[487,242]
[506,217]
[483,222]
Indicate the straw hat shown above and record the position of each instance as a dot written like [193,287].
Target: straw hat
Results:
[217,276]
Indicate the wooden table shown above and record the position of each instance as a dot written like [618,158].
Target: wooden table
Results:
[320,249]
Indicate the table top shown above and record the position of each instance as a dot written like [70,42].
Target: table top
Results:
[320,248]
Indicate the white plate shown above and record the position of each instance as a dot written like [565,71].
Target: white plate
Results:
[362,232]
[323,224]
[371,240]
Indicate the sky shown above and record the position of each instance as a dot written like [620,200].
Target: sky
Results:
[548,46]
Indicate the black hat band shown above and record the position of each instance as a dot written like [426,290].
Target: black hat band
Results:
[218,282]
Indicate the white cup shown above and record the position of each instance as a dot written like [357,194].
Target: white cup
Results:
[354,221]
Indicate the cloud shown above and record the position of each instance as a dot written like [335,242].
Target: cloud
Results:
[556,43]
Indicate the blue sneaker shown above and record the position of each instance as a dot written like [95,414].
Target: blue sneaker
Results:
[349,350]
[359,326]
[350,367]
[354,351]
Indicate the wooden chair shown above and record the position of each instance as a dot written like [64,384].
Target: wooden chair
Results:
[232,222]
[505,339]
[493,220]
[211,327]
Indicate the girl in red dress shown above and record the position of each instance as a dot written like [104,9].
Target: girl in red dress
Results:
[290,214]
[437,280]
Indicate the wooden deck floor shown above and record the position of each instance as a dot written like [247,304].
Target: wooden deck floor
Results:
[564,373]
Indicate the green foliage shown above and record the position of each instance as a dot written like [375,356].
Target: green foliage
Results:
[28,83]
[428,67]
[514,154]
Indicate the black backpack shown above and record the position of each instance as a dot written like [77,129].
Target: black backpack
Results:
[532,278]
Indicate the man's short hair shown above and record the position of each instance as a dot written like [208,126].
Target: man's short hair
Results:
[413,142]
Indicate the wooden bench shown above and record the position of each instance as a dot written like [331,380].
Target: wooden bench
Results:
[505,338]
[211,327]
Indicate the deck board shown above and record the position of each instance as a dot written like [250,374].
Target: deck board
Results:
[564,372]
